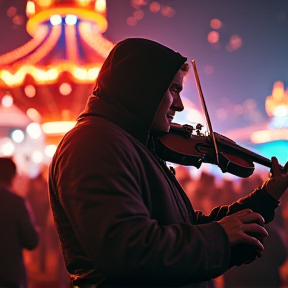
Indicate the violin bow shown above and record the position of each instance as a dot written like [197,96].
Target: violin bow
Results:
[204,107]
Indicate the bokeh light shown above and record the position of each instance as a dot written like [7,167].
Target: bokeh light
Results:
[12,11]
[235,43]
[7,101]
[55,20]
[209,69]
[50,150]
[131,21]
[138,14]
[6,147]
[71,19]
[65,89]
[215,24]
[100,6]
[213,37]
[34,130]
[34,115]
[17,136]
[167,11]
[37,157]
[155,7]
[30,91]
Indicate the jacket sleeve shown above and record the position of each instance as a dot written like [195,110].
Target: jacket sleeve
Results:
[258,201]
[119,235]
[26,229]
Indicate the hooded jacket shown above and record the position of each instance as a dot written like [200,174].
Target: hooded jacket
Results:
[122,217]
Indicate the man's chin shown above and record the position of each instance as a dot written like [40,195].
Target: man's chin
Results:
[159,132]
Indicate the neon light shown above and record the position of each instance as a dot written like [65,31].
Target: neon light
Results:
[17,136]
[55,20]
[30,91]
[71,19]
[57,127]
[80,73]
[71,43]
[50,150]
[30,9]
[34,130]
[37,157]
[264,136]
[46,47]
[65,89]
[7,101]
[85,74]
[34,115]
[6,147]
[25,49]
[83,2]
[93,73]
[44,3]
[81,13]
[53,73]
[100,6]
[40,75]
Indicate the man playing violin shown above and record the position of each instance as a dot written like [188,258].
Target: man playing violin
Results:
[122,218]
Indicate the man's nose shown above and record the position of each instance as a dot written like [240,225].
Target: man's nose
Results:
[178,104]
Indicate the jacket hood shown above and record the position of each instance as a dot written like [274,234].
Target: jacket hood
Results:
[131,84]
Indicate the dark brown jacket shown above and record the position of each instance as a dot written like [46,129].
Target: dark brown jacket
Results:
[122,218]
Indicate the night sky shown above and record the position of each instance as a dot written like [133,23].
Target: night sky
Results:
[245,73]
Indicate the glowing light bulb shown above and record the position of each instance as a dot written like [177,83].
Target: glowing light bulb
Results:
[100,5]
[30,91]
[17,136]
[34,130]
[30,9]
[33,114]
[65,89]
[71,19]
[50,150]
[37,157]
[7,101]
[7,147]
[55,20]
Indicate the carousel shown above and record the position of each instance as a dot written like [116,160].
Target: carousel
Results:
[49,78]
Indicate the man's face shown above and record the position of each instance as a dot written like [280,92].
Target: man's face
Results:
[170,103]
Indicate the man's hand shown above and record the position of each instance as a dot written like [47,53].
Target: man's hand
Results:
[277,184]
[245,227]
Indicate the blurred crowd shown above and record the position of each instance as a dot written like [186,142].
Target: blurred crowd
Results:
[206,191]
[45,266]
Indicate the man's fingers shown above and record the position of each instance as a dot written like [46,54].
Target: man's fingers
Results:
[252,217]
[255,230]
[275,166]
[253,241]
[241,212]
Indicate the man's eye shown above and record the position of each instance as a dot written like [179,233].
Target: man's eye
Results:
[174,91]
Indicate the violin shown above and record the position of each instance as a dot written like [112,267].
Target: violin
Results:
[188,146]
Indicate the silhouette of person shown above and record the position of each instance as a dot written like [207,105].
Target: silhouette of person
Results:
[17,229]
[37,196]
